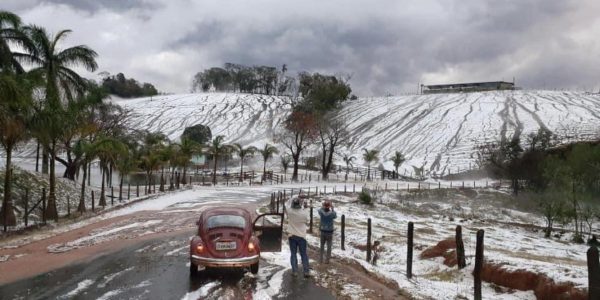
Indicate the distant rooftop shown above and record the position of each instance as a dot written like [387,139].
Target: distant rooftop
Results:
[468,87]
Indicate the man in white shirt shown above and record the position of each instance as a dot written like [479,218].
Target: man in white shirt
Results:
[297,215]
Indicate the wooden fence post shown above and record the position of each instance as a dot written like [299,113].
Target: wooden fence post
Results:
[343,232]
[460,248]
[137,190]
[128,191]
[354,188]
[409,250]
[478,264]
[369,240]
[93,200]
[68,206]
[44,205]
[593,273]
[112,196]
[310,229]
[26,216]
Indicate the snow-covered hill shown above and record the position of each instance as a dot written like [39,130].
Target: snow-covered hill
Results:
[437,132]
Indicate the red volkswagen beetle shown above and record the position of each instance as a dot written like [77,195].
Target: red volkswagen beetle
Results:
[229,238]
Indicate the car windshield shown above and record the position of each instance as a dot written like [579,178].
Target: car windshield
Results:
[225,221]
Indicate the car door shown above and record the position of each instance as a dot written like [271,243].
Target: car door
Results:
[269,230]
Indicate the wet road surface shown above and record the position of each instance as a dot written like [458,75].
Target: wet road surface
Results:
[159,269]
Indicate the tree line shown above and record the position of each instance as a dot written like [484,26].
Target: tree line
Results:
[124,87]
[245,79]
[563,180]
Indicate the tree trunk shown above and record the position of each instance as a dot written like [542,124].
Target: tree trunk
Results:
[369,172]
[215,170]
[296,159]
[242,170]
[121,188]
[183,180]
[51,211]
[329,160]
[81,207]
[7,218]
[102,196]
[44,160]
[264,170]
[37,157]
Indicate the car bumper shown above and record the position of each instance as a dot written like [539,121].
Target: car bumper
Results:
[224,262]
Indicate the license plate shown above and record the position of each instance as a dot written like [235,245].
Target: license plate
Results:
[226,245]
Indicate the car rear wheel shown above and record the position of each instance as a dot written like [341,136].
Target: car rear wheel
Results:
[193,269]
[254,268]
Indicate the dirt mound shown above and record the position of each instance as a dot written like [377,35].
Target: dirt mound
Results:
[542,286]
[439,250]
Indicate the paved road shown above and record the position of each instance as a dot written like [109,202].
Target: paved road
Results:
[158,269]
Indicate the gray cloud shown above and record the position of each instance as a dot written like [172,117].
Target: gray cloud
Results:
[389,47]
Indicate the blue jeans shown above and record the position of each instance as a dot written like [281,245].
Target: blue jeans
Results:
[298,243]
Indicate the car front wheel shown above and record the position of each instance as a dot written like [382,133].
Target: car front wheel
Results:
[193,269]
[254,268]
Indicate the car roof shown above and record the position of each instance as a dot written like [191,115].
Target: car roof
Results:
[215,211]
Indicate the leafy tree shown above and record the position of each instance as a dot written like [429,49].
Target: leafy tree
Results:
[243,153]
[267,153]
[322,92]
[120,86]
[198,133]
[370,156]
[398,159]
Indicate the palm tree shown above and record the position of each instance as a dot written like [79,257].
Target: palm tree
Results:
[15,106]
[348,159]
[398,159]
[109,151]
[187,149]
[86,151]
[243,153]
[11,33]
[125,165]
[370,156]
[267,153]
[55,64]
[285,163]
[215,149]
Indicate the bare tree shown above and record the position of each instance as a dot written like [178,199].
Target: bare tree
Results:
[332,133]
[299,131]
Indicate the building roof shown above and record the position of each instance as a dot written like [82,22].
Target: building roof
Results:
[468,84]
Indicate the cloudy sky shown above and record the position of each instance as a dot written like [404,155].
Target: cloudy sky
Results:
[388,46]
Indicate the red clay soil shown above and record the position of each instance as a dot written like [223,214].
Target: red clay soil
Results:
[543,287]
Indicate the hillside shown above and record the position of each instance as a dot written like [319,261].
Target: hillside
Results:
[437,132]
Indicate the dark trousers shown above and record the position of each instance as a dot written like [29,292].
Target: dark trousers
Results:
[326,238]
[298,244]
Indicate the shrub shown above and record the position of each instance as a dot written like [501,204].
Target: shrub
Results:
[365,197]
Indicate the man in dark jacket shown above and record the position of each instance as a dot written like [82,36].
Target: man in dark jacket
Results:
[327,214]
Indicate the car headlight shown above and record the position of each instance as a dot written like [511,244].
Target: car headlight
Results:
[251,247]
[199,248]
